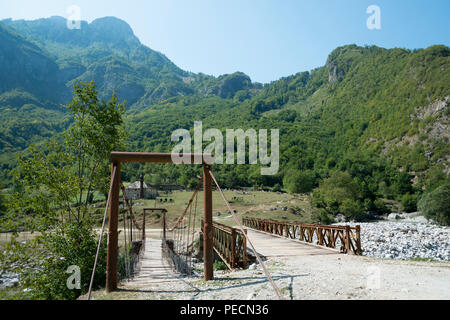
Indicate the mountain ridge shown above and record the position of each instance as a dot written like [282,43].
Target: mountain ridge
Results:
[357,113]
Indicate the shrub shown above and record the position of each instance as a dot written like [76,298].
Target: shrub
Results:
[277,188]
[323,217]
[340,193]
[402,184]
[352,209]
[220,265]
[74,244]
[436,205]
[409,202]
[300,182]
[380,207]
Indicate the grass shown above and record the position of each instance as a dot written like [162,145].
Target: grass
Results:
[256,204]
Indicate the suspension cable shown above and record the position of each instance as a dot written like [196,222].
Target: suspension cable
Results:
[127,267]
[108,202]
[236,219]
[187,231]
[193,232]
[190,201]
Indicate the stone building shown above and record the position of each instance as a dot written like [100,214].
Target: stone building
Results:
[140,190]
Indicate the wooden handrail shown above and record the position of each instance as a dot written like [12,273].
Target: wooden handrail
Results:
[328,236]
[230,244]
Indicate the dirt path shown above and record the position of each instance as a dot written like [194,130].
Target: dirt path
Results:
[301,272]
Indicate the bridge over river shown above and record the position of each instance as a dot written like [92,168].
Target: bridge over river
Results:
[154,267]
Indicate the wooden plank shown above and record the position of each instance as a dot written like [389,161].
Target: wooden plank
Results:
[152,157]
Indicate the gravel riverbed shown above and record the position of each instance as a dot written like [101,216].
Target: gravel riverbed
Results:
[385,271]
[405,240]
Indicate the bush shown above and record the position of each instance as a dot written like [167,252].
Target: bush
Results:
[300,182]
[47,274]
[277,188]
[220,265]
[402,184]
[435,205]
[352,209]
[409,202]
[380,207]
[340,193]
[323,217]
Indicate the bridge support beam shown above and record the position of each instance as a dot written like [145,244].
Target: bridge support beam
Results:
[113,220]
[112,253]
[208,254]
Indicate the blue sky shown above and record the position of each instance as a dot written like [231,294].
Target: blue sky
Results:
[266,39]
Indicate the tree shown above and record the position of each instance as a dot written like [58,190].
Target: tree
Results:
[402,184]
[409,202]
[300,182]
[436,205]
[339,193]
[53,185]
[96,131]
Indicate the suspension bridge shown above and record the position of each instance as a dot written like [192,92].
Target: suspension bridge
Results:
[148,261]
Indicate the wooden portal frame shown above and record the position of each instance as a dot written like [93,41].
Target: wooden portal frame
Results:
[112,252]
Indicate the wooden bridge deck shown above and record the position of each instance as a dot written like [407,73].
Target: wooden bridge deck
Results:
[269,245]
[153,267]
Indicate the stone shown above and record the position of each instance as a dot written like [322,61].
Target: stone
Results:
[393,216]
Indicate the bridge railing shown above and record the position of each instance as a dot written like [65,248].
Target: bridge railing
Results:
[230,244]
[346,238]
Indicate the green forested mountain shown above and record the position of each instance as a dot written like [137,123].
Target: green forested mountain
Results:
[40,61]
[378,115]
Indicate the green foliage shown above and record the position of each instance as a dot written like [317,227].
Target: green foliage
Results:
[323,217]
[300,182]
[48,258]
[435,178]
[359,113]
[53,187]
[277,188]
[409,202]
[219,265]
[436,204]
[340,193]
[352,209]
[2,205]
[402,184]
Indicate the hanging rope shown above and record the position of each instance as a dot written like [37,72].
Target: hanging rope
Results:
[236,219]
[127,261]
[193,232]
[187,232]
[108,203]
[190,202]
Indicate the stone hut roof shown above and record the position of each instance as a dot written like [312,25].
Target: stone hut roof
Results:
[137,185]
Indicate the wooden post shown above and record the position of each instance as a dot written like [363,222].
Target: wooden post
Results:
[111,264]
[358,240]
[143,226]
[233,248]
[164,226]
[208,254]
[131,230]
[320,236]
[244,252]
[347,239]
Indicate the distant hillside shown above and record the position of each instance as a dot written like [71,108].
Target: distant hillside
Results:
[41,59]
[381,115]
